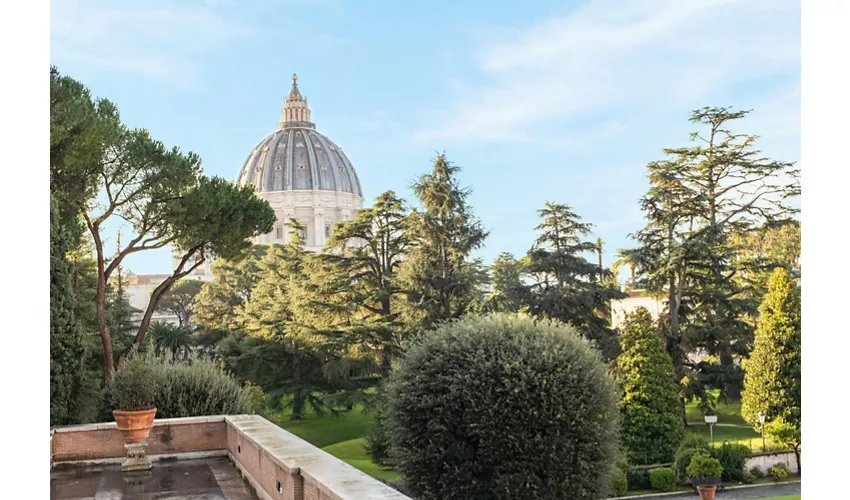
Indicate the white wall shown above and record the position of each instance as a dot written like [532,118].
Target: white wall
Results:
[619,308]
[765,462]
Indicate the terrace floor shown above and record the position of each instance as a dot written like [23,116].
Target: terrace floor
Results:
[202,479]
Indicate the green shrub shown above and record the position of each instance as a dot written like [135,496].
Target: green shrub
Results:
[748,477]
[652,427]
[779,472]
[732,457]
[377,441]
[256,397]
[702,465]
[619,482]
[757,472]
[683,458]
[501,406]
[663,478]
[135,384]
[200,388]
[638,478]
[691,445]
[694,440]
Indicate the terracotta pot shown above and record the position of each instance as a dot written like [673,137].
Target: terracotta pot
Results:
[706,491]
[134,425]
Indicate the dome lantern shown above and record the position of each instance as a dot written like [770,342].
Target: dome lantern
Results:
[296,111]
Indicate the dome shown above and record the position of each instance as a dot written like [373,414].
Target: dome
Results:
[296,157]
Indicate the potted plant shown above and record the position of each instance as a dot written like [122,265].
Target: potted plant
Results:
[705,472]
[133,389]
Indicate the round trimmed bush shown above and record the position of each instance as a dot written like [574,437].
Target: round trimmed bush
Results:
[663,479]
[135,385]
[779,472]
[503,407]
[757,472]
[619,482]
[703,466]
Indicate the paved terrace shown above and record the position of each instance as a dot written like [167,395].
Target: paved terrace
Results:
[204,457]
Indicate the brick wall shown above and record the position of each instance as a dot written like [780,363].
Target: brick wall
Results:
[167,437]
[277,464]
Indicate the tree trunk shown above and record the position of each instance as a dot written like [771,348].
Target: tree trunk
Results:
[105,338]
[385,363]
[797,456]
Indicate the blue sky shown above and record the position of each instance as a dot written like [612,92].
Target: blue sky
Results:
[537,101]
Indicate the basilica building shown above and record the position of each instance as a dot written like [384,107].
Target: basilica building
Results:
[301,173]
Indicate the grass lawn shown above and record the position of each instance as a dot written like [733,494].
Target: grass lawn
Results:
[342,436]
[789,497]
[730,425]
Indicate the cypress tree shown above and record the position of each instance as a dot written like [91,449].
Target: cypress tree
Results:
[772,374]
[67,345]
[651,410]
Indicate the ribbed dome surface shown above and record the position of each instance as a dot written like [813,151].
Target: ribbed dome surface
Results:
[296,157]
[299,158]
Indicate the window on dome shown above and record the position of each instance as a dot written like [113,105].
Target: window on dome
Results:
[303,233]
[327,230]
[279,233]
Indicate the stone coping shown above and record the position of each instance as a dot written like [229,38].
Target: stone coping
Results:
[160,421]
[335,478]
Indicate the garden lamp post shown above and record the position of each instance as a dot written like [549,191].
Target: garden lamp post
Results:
[711,420]
[761,421]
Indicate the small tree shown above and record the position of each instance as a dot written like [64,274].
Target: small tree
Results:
[652,426]
[772,374]
[178,301]
[170,338]
[503,407]
[785,434]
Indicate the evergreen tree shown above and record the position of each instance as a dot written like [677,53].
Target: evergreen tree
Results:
[773,371]
[363,264]
[67,344]
[282,327]
[699,197]
[651,424]
[438,276]
[761,249]
[567,286]
[508,292]
[220,302]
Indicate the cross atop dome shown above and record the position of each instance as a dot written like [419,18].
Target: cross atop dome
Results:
[295,112]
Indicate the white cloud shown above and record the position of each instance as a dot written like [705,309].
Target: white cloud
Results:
[161,41]
[621,57]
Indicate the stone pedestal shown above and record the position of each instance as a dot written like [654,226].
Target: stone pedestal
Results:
[136,458]
[137,482]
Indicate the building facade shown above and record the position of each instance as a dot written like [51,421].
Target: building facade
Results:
[628,305]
